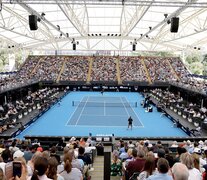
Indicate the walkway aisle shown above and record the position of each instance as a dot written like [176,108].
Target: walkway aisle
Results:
[98,172]
[98,165]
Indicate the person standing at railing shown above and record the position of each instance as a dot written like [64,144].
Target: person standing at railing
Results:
[102,91]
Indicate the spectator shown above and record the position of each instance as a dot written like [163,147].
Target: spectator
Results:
[70,173]
[2,176]
[40,169]
[149,168]
[163,167]
[116,164]
[52,169]
[188,160]
[180,171]
[86,158]
[138,164]
[24,174]
[54,154]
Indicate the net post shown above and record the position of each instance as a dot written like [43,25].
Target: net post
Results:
[72,103]
[135,104]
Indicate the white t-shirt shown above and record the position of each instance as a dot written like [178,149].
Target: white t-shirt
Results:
[194,174]
[74,174]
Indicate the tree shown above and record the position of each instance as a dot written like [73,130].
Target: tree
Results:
[194,63]
[3,60]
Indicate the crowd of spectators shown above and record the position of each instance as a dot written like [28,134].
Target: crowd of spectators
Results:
[72,159]
[22,77]
[104,69]
[193,112]
[159,69]
[193,84]
[64,160]
[11,112]
[48,68]
[154,160]
[27,68]
[132,69]
[75,69]
[185,80]
[179,68]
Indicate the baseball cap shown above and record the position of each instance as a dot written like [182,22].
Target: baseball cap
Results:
[197,150]
[40,149]
[17,154]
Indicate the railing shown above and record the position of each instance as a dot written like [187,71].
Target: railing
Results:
[10,86]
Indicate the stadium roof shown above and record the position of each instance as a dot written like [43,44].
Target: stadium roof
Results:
[104,24]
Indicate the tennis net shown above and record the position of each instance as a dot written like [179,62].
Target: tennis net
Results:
[103,104]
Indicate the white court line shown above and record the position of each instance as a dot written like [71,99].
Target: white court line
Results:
[124,106]
[81,112]
[104,126]
[135,113]
[93,115]
[104,108]
[73,113]
[105,97]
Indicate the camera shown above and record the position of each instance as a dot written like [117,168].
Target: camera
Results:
[13,169]
[17,169]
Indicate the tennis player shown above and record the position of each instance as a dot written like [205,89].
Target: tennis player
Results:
[130,120]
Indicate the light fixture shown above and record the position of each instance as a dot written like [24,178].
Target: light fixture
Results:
[166,15]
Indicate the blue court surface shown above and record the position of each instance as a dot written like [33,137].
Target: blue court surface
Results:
[81,113]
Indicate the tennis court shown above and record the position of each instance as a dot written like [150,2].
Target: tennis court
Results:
[104,111]
[81,113]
